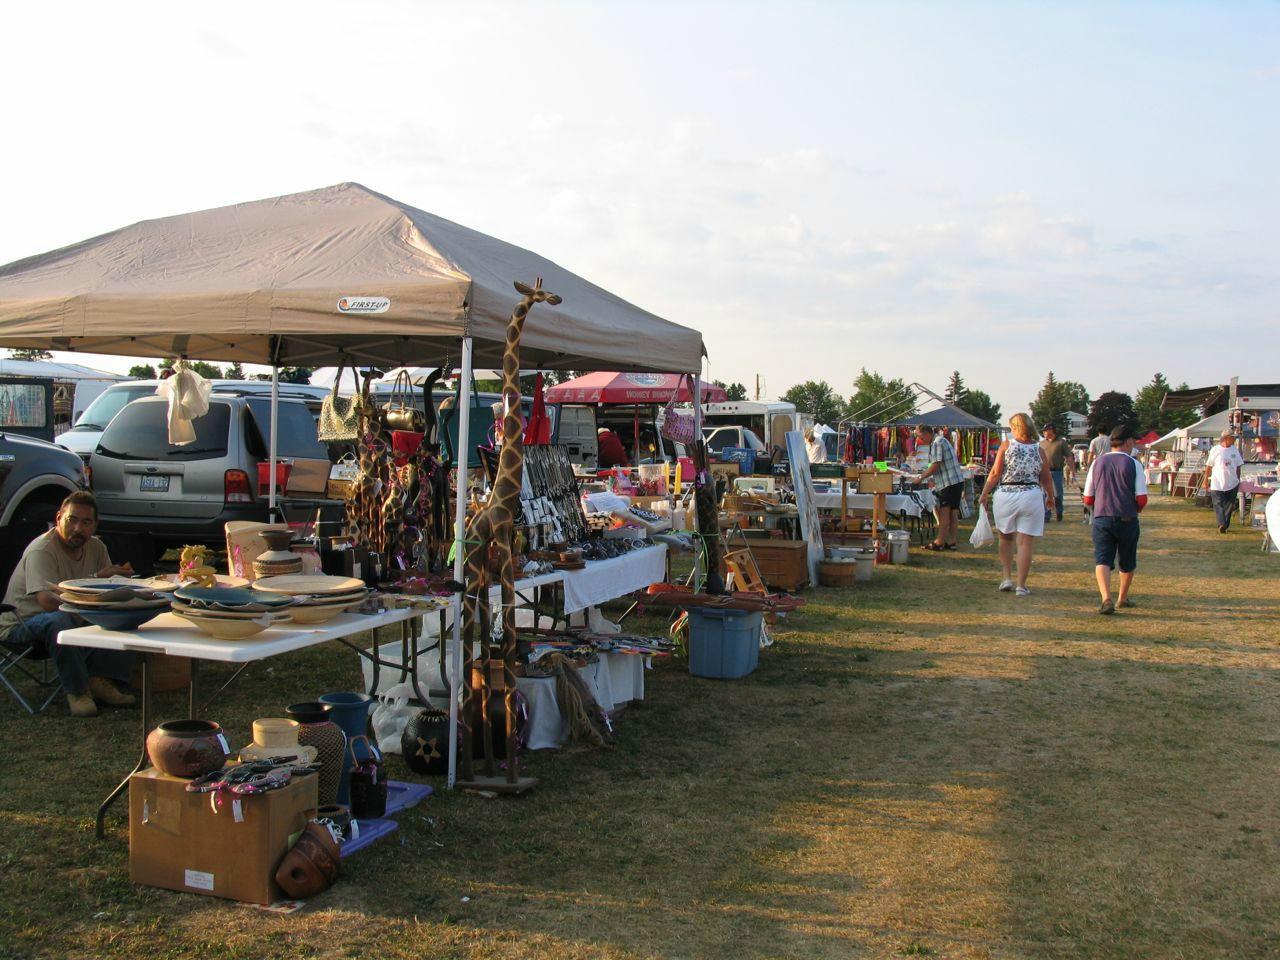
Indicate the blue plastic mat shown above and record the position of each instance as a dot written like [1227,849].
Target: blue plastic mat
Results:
[400,797]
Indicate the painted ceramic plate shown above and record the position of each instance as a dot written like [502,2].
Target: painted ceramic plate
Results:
[229,597]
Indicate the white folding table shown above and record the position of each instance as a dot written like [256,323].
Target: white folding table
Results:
[171,635]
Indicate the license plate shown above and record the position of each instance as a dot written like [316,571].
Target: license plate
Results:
[155,484]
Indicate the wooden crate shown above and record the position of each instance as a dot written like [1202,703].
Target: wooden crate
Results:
[784,564]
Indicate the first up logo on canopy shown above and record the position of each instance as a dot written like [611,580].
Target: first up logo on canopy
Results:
[364,305]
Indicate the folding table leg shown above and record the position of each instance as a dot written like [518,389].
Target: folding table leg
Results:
[142,761]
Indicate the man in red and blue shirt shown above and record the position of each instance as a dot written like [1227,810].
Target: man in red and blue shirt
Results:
[1116,489]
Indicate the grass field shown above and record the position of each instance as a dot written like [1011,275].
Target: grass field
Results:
[920,767]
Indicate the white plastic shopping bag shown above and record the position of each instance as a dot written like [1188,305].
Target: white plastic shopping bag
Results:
[982,532]
[395,709]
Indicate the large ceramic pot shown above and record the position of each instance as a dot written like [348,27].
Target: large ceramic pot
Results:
[424,742]
[350,711]
[311,865]
[315,729]
[187,748]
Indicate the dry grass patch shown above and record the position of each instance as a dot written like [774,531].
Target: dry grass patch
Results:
[921,767]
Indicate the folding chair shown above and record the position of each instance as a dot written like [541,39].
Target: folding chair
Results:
[19,657]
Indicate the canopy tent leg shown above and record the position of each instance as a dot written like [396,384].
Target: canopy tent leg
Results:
[459,552]
[271,458]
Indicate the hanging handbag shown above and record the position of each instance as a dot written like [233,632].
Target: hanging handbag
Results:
[368,783]
[339,416]
[678,426]
[400,412]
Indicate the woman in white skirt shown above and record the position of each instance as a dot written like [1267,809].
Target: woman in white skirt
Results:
[1023,489]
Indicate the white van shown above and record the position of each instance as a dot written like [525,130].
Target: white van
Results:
[769,420]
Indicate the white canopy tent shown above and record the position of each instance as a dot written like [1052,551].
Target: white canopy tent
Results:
[340,275]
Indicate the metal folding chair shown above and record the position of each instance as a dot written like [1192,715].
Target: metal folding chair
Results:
[20,658]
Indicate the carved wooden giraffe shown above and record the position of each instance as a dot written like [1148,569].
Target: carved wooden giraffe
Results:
[491,532]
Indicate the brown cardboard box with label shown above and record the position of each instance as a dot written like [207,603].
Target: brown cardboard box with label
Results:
[178,841]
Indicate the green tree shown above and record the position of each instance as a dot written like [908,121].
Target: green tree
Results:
[736,391]
[234,372]
[877,400]
[1050,403]
[956,390]
[978,403]
[1075,396]
[1146,403]
[1110,410]
[818,398]
[143,371]
[30,353]
[296,374]
[207,370]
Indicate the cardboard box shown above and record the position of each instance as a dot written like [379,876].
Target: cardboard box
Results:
[178,841]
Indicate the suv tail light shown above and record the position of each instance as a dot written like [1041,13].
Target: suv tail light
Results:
[235,487]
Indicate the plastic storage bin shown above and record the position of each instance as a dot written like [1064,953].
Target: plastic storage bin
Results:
[723,643]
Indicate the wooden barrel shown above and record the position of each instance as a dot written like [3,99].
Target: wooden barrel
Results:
[836,573]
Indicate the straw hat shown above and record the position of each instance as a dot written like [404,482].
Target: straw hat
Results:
[276,737]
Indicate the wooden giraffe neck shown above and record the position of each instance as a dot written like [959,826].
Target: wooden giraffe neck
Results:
[507,481]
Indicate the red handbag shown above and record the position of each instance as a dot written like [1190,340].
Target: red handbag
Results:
[405,443]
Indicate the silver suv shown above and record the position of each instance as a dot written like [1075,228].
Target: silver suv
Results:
[184,494]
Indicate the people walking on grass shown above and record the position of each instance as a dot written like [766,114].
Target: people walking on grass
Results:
[1222,477]
[1058,452]
[1023,489]
[948,484]
[1116,488]
[1099,446]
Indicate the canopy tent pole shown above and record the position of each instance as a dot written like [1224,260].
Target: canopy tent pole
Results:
[275,416]
[459,550]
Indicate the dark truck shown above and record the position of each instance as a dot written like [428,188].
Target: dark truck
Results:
[35,474]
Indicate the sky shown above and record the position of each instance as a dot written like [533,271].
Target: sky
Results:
[1000,189]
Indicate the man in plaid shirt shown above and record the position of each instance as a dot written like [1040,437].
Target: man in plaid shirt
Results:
[948,485]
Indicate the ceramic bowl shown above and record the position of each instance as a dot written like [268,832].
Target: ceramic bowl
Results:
[320,613]
[225,629]
[128,619]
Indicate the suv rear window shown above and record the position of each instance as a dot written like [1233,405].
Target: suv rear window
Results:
[141,432]
[297,430]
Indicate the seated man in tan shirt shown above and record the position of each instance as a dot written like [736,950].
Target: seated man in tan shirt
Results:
[69,551]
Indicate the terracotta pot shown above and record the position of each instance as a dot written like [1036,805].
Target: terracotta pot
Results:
[311,866]
[315,729]
[187,748]
[277,539]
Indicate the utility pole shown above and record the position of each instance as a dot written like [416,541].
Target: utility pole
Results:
[759,387]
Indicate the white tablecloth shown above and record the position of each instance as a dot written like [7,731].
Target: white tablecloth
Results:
[895,503]
[603,580]
[614,679]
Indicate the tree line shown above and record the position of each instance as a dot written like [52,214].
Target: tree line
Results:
[1141,411]
[880,399]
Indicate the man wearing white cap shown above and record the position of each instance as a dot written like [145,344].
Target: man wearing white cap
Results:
[1222,477]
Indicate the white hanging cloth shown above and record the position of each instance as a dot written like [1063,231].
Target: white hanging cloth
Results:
[188,394]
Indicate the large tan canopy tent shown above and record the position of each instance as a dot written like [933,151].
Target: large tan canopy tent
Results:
[341,273]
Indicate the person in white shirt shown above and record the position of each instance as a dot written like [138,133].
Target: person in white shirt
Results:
[816,448]
[1222,477]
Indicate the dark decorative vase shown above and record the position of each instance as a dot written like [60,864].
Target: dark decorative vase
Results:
[350,711]
[315,729]
[424,742]
[187,748]
[341,817]
[311,865]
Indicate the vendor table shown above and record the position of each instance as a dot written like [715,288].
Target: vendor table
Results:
[615,679]
[913,510]
[171,635]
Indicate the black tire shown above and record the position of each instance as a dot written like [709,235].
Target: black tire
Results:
[35,513]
